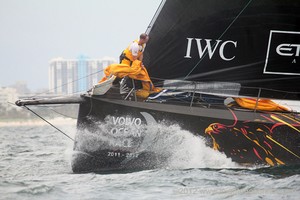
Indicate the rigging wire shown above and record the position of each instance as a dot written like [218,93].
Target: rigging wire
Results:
[49,123]
[44,120]
[219,37]
[59,113]
[54,110]
[47,92]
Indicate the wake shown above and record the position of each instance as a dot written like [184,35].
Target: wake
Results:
[167,145]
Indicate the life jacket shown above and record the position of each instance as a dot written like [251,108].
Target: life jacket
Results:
[128,55]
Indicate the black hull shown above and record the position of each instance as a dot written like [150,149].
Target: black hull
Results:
[99,161]
[121,135]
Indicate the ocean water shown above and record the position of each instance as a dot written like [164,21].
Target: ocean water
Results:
[35,164]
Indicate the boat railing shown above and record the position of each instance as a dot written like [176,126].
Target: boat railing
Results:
[132,91]
[215,94]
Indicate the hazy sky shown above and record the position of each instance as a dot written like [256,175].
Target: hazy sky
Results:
[32,32]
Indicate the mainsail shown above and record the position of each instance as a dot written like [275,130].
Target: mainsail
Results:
[253,43]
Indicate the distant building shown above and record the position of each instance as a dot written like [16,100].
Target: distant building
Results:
[68,76]
[21,87]
[7,95]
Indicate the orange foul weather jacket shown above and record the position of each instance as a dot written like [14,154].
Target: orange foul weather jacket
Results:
[135,71]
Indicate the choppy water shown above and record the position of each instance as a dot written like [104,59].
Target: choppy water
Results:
[35,164]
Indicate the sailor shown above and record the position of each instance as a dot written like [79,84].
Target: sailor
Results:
[131,72]
[135,50]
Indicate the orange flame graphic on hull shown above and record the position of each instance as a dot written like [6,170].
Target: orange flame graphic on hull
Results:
[262,141]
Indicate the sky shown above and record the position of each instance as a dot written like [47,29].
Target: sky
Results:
[32,32]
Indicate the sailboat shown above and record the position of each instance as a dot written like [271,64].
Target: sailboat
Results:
[210,58]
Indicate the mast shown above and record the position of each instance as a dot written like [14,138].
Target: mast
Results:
[162,3]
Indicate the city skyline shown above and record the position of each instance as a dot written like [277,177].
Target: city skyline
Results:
[34,32]
[70,76]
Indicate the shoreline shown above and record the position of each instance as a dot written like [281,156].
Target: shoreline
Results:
[38,122]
